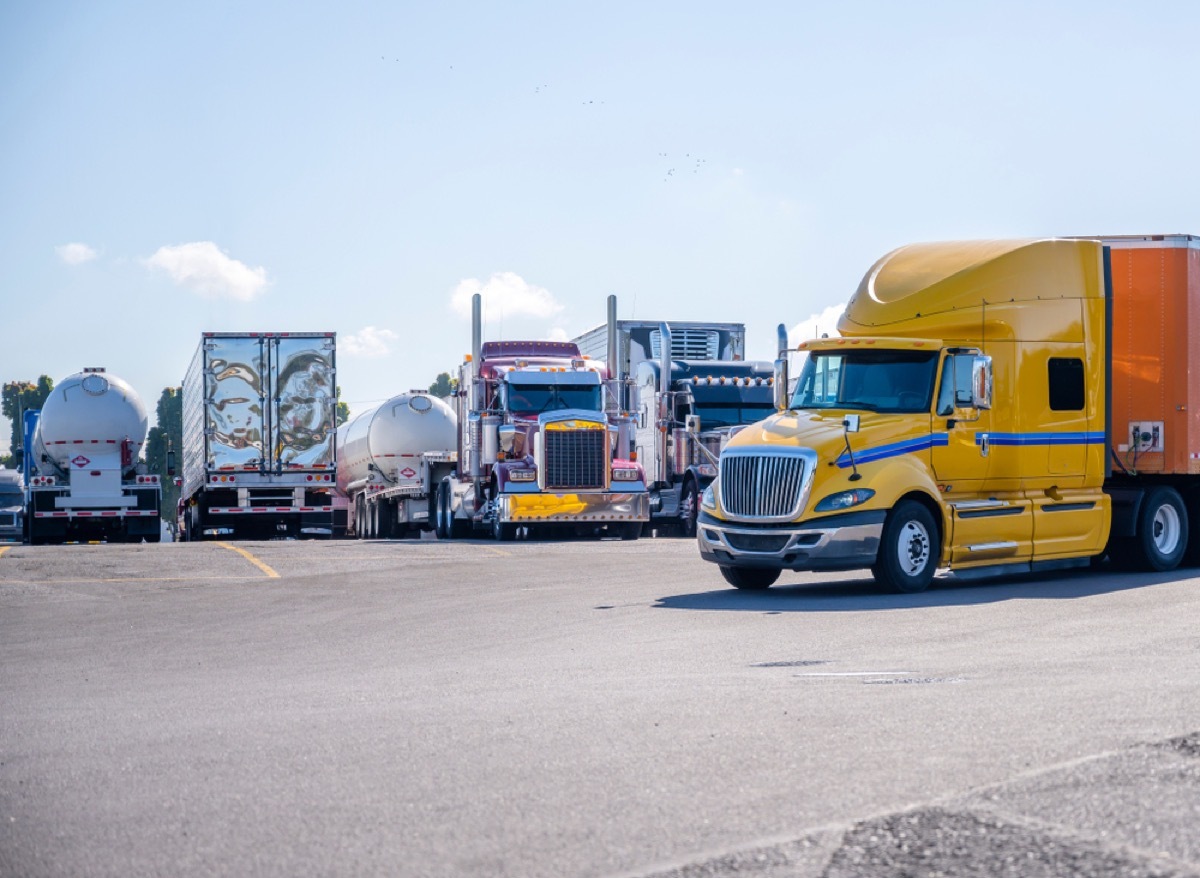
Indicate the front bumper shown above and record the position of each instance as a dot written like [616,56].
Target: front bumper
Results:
[849,541]
[601,508]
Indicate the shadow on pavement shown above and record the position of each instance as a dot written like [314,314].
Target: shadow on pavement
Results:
[857,592]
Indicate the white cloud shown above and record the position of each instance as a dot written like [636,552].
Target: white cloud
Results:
[75,254]
[369,343]
[824,323]
[202,266]
[505,294]
[558,334]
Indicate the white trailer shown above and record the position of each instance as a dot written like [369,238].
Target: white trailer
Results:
[390,461]
[85,481]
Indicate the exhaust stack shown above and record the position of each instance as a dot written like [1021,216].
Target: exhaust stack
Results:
[663,465]
[615,373]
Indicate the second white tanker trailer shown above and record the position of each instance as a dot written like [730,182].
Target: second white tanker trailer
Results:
[390,460]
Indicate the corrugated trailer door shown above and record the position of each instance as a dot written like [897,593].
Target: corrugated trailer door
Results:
[303,403]
[235,392]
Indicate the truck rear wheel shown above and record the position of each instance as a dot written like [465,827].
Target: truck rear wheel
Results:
[1161,537]
[750,578]
[909,549]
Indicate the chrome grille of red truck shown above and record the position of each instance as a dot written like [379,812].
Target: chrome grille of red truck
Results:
[576,459]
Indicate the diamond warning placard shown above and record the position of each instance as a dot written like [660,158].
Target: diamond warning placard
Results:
[80,461]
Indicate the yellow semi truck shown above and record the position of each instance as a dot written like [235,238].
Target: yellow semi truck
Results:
[991,407]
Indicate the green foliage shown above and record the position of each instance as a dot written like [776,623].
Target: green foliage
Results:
[20,397]
[343,409]
[442,386]
[167,436]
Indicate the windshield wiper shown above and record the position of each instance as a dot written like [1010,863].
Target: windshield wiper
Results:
[857,404]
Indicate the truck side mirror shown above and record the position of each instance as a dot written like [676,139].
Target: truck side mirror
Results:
[981,382]
[781,384]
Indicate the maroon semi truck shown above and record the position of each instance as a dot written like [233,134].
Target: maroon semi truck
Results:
[542,446]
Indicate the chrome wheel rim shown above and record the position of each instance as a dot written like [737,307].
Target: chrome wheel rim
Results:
[913,547]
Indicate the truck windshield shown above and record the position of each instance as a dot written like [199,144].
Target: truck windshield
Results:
[713,416]
[874,381]
[538,398]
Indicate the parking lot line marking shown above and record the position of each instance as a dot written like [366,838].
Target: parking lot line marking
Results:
[4,549]
[271,574]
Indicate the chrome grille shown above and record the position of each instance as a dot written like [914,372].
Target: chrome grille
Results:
[576,458]
[762,486]
[8,519]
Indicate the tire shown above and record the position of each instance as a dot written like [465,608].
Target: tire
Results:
[503,532]
[751,578]
[630,531]
[1162,533]
[689,502]
[909,549]
[360,518]
[440,530]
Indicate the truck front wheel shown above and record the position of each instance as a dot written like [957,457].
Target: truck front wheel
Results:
[689,502]
[909,549]
[750,578]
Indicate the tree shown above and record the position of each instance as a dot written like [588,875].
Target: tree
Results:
[20,397]
[167,436]
[343,409]
[442,386]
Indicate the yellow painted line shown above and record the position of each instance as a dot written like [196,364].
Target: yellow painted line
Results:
[271,574]
[4,549]
[4,582]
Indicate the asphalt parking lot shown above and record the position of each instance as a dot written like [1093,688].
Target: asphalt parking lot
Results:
[584,708]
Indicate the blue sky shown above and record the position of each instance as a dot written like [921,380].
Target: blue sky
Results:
[170,169]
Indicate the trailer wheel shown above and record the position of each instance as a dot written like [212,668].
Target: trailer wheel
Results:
[451,528]
[751,578]
[688,505]
[909,549]
[1162,533]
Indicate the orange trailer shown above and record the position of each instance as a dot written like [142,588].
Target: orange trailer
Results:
[1155,397]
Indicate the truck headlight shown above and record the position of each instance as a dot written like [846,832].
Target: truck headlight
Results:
[522,475]
[844,500]
[626,475]
[708,500]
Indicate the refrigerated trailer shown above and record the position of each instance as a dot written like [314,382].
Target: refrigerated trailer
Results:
[259,425]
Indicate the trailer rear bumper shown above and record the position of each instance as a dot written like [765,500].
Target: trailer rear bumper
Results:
[602,508]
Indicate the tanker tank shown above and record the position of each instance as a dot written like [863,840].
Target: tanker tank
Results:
[92,414]
[403,427]
[85,481]
[390,460]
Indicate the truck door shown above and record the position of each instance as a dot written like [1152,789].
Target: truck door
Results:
[235,392]
[991,520]
[302,403]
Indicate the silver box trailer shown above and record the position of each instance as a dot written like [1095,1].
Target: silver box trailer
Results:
[259,426]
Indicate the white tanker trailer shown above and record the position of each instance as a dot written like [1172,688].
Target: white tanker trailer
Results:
[390,460]
[85,481]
